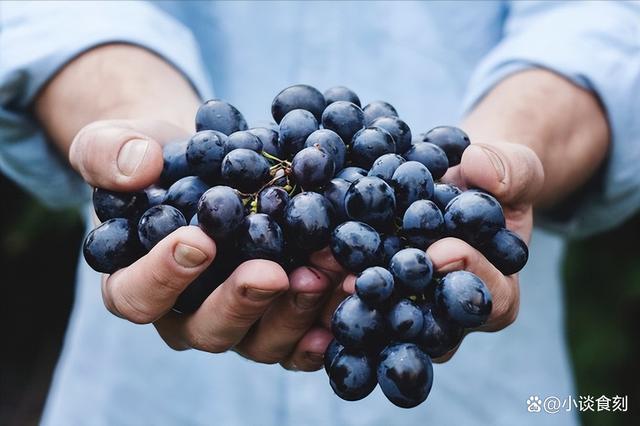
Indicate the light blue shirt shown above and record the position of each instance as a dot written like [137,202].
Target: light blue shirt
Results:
[433,61]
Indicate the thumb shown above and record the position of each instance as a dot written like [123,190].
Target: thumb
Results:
[513,173]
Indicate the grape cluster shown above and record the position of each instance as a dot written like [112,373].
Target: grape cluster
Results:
[329,173]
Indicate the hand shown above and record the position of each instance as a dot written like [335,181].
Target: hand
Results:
[258,311]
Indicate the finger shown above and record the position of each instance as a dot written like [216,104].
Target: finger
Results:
[147,289]
[121,155]
[288,319]
[513,173]
[230,311]
[325,262]
[341,292]
[308,354]
[452,254]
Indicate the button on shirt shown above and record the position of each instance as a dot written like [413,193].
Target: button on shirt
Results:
[433,61]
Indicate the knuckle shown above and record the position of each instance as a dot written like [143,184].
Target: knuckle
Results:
[133,310]
[261,355]
[208,343]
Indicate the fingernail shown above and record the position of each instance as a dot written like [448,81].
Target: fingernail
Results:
[316,358]
[259,295]
[458,265]
[495,160]
[307,300]
[187,256]
[131,156]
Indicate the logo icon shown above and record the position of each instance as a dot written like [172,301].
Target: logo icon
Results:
[533,404]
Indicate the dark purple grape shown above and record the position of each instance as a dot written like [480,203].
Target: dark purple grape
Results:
[205,151]
[300,96]
[312,167]
[371,200]
[352,375]
[260,237]
[155,195]
[411,182]
[335,192]
[412,271]
[185,194]
[341,93]
[158,222]
[112,204]
[391,244]
[243,139]
[432,156]
[443,193]
[439,335]
[245,170]
[219,115]
[358,326]
[330,142]
[422,224]
[385,166]
[506,251]
[356,246]
[308,220]
[377,109]
[351,174]
[398,129]
[374,285]
[344,118]
[111,246]
[464,298]
[369,144]
[295,128]
[474,216]
[273,200]
[270,140]
[405,320]
[175,164]
[452,140]
[220,212]
[330,353]
[405,374]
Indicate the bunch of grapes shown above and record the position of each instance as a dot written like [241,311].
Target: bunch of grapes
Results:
[329,173]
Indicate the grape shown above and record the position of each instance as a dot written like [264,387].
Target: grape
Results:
[432,156]
[341,93]
[155,195]
[377,109]
[411,182]
[474,217]
[443,193]
[158,222]
[405,374]
[369,144]
[422,224]
[358,326]
[335,192]
[112,204]
[351,174]
[295,128]
[391,244]
[374,285]
[438,335]
[385,166]
[300,96]
[260,237]
[312,167]
[464,298]
[111,246]
[245,170]
[219,115]
[220,212]
[205,151]
[398,129]
[412,270]
[506,251]
[405,320]
[452,140]
[331,143]
[243,139]
[356,246]
[273,200]
[185,193]
[270,140]
[330,353]
[344,118]
[370,200]
[352,375]
[308,220]
[175,165]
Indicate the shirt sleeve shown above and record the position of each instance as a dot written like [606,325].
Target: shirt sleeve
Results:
[597,46]
[36,41]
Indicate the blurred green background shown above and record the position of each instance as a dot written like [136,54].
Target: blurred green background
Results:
[39,250]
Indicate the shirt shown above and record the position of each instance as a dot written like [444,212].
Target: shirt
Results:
[433,61]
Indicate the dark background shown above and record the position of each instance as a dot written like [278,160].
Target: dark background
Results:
[39,250]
